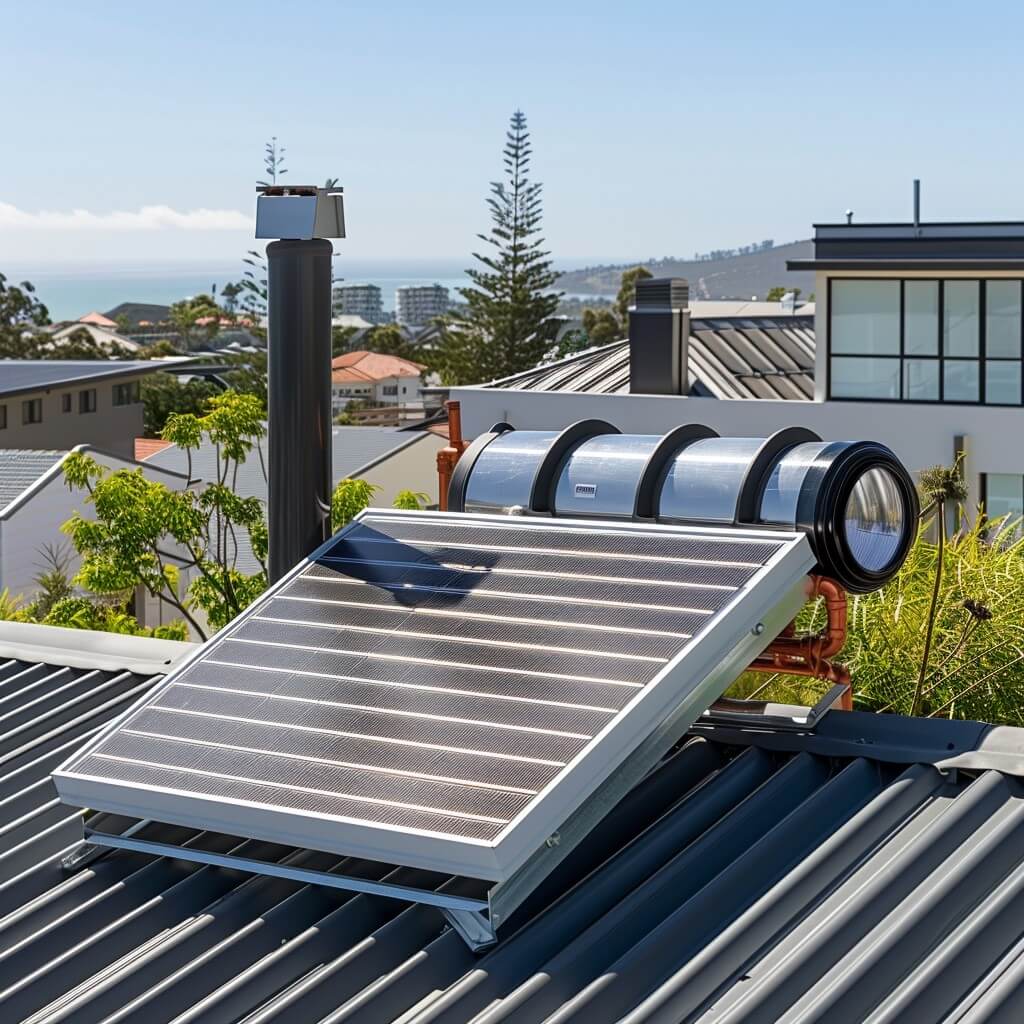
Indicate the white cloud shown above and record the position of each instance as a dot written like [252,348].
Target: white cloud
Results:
[146,218]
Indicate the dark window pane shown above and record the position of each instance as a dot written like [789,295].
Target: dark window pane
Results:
[1002,382]
[921,318]
[1002,319]
[921,380]
[866,317]
[960,318]
[866,378]
[1004,495]
[961,380]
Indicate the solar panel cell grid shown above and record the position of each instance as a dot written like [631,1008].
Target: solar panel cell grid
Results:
[428,673]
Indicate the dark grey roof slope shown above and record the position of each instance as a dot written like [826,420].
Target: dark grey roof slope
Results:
[872,871]
[20,375]
[57,687]
[20,468]
[733,357]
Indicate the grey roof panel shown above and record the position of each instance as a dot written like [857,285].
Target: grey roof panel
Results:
[18,375]
[729,357]
[21,468]
[736,883]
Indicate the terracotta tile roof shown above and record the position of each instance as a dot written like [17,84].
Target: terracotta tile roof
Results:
[376,366]
[98,319]
[146,446]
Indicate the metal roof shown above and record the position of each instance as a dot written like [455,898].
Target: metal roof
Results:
[870,871]
[20,468]
[21,375]
[57,688]
[728,357]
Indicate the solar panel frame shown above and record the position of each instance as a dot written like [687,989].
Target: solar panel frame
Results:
[710,660]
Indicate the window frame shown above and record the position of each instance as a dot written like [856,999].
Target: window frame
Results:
[86,406]
[3,416]
[65,402]
[130,388]
[28,408]
[940,357]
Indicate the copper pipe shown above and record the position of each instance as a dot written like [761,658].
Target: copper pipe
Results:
[448,456]
[809,655]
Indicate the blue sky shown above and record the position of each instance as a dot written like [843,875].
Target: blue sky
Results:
[661,128]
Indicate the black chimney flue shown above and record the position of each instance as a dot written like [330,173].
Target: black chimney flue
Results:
[299,280]
[659,331]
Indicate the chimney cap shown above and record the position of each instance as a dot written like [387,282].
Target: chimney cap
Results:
[662,293]
[300,211]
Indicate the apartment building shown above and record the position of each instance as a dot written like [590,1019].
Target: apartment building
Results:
[57,404]
[418,304]
[915,341]
[362,300]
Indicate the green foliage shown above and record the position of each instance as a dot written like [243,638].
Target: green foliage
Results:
[412,500]
[187,314]
[139,521]
[12,609]
[53,582]
[273,162]
[156,350]
[606,324]
[571,343]
[775,294]
[82,613]
[350,497]
[502,329]
[975,668]
[21,314]
[388,340]
[341,339]
[164,394]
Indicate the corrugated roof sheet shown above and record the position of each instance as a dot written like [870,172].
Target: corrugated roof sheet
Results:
[20,468]
[842,876]
[729,357]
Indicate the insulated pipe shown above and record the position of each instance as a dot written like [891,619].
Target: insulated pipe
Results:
[298,399]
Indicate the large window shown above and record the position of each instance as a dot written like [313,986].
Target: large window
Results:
[1003,495]
[87,400]
[126,394]
[926,341]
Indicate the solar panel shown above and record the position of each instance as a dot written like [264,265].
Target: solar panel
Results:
[445,690]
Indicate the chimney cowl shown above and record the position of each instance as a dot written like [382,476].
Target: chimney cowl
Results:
[659,332]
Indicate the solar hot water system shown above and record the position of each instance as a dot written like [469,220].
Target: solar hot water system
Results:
[452,700]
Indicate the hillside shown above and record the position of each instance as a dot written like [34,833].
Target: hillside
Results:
[735,277]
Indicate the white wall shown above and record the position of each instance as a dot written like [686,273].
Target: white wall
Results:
[28,528]
[922,435]
[413,468]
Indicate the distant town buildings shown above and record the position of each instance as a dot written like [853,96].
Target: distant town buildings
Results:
[376,379]
[362,300]
[419,304]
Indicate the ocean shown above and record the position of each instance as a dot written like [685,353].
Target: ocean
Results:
[70,292]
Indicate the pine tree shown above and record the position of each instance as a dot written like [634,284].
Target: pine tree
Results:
[503,328]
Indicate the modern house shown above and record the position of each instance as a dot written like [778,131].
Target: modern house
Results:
[57,404]
[375,378]
[916,332]
[35,502]
[108,338]
[417,305]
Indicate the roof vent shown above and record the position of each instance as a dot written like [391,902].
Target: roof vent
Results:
[659,327]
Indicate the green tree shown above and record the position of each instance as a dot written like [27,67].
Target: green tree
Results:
[502,329]
[230,293]
[80,344]
[21,316]
[388,340]
[196,319]
[350,497]
[164,394]
[605,324]
[775,294]
[140,524]
[341,339]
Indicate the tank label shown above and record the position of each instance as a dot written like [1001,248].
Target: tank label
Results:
[585,490]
